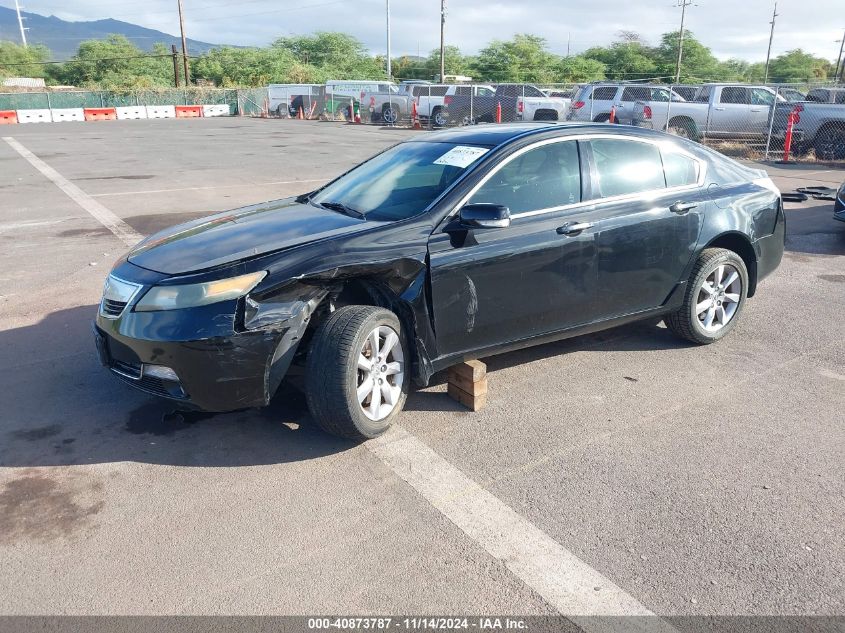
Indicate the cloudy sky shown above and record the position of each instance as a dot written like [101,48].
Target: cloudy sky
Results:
[732,28]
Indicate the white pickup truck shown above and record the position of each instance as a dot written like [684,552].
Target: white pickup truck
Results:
[733,111]
[524,102]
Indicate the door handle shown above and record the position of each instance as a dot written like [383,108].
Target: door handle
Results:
[719,109]
[682,207]
[573,228]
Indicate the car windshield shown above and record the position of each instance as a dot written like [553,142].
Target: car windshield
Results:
[400,182]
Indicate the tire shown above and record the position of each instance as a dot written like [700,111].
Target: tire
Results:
[690,320]
[602,118]
[389,114]
[439,118]
[282,111]
[683,128]
[829,143]
[333,377]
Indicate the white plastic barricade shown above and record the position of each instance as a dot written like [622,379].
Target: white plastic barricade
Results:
[67,114]
[216,110]
[131,112]
[161,112]
[34,116]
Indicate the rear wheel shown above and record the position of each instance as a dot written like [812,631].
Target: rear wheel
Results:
[714,297]
[830,143]
[390,114]
[683,128]
[357,372]
[439,117]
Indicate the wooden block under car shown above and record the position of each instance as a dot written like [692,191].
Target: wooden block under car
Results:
[467,399]
[473,370]
[477,388]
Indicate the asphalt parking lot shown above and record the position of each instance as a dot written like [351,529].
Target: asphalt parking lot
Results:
[695,480]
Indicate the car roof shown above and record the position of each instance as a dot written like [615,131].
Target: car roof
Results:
[493,134]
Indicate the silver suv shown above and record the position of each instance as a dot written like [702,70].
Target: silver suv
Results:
[593,102]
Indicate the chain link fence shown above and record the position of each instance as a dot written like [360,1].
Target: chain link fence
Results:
[740,120]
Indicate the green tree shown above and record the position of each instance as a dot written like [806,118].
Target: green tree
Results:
[115,63]
[524,58]
[697,64]
[453,61]
[579,69]
[796,66]
[332,55]
[21,61]
[626,60]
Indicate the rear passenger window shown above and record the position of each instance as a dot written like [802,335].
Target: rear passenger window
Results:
[735,94]
[604,93]
[544,177]
[627,166]
[636,93]
[680,169]
[819,96]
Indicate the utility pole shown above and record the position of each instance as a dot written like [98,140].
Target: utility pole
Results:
[837,75]
[175,56]
[442,40]
[20,23]
[184,46]
[568,43]
[683,4]
[389,72]
[771,37]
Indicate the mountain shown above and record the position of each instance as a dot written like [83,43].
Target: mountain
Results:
[63,37]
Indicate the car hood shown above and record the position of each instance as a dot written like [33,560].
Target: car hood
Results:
[240,234]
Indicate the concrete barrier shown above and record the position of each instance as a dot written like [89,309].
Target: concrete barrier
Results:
[131,112]
[67,114]
[161,112]
[216,110]
[188,111]
[100,114]
[8,117]
[34,116]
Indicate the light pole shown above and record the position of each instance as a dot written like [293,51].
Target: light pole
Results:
[683,4]
[442,40]
[20,23]
[837,74]
[771,37]
[387,7]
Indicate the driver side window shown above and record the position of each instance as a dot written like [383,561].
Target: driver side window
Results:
[541,178]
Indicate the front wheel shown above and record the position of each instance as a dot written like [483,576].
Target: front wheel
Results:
[357,372]
[716,294]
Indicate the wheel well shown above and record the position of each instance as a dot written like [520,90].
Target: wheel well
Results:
[740,245]
[545,114]
[601,118]
[682,120]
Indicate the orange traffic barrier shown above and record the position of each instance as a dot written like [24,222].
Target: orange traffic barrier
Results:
[8,117]
[188,111]
[612,118]
[100,114]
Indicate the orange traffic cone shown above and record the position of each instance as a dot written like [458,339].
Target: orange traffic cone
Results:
[300,114]
[414,118]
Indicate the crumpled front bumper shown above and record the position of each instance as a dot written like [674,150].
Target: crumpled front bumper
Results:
[220,373]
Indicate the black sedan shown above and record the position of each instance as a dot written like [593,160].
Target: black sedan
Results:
[451,246]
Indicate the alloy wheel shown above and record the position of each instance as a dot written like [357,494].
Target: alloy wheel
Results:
[718,298]
[381,373]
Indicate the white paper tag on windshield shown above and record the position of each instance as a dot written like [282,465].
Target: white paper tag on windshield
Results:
[461,156]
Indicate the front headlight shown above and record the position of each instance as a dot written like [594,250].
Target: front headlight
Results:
[192,295]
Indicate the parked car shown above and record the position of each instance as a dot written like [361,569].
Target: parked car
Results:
[451,246]
[819,126]
[595,101]
[839,205]
[338,94]
[525,102]
[719,111]
[287,99]
[397,102]
[469,104]
[826,95]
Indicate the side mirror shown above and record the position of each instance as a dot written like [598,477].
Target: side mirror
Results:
[484,215]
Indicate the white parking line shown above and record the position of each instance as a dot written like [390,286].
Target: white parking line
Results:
[104,216]
[248,184]
[567,583]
